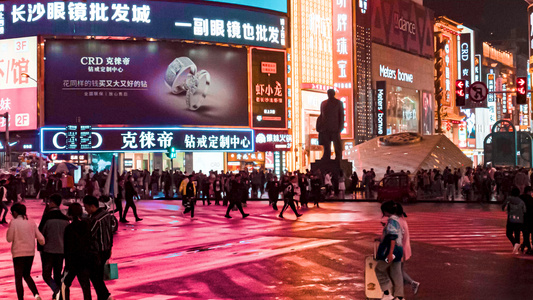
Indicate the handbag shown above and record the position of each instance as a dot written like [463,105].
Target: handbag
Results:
[110,271]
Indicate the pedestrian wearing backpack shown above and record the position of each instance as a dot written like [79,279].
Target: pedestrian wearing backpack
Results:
[516,209]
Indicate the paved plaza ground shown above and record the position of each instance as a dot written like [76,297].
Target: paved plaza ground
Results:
[459,252]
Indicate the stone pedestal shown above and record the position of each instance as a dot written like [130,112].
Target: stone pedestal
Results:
[333,166]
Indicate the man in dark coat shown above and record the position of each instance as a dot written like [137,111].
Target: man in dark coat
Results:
[237,194]
[329,125]
[130,193]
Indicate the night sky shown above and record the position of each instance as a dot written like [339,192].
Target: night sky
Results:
[494,18]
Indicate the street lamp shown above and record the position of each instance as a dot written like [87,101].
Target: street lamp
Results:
[28,76]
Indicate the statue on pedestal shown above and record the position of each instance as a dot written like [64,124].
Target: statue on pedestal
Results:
[329,125]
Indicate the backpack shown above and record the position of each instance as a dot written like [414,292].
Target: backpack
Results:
[189,189]
[288,191]
[516,215]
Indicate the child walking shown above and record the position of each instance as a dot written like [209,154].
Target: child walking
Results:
[389,255]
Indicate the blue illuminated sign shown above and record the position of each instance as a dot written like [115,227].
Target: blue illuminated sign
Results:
[277,5]
[153,139]
[146,19]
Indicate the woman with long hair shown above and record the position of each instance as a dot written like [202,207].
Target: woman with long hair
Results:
[22,234]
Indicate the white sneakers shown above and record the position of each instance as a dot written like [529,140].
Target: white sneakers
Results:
[387,297]
[37,297]
[415,285]
[516,248]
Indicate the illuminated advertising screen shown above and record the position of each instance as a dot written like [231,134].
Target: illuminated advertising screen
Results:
[18,92]
[153,19]
[268,91]
[276,5]
[145,83]
[152,139]
[403,24]
[402,110]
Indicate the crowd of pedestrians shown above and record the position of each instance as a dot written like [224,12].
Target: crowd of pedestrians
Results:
[70,246]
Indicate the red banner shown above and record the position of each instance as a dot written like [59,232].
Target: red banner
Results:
[343,61]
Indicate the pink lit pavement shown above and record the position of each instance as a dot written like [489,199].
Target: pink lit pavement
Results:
[460,252]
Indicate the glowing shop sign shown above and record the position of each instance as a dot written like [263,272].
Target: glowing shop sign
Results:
[157,19]
[381,92]
[395,74]
[147,139]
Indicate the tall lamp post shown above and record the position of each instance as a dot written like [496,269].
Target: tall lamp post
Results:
[40,169]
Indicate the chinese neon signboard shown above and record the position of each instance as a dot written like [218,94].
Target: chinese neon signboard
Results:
[152,139]
[343,61]
[491,102]
[18,92]
[268,91]
[154,19]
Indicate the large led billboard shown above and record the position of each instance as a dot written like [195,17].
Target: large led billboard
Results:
[18,92]
[268,101]
[145,83]
[201,21]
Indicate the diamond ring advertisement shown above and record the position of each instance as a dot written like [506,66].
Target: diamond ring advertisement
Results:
[147,83]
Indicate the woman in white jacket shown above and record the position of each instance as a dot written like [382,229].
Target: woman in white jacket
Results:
[22,234]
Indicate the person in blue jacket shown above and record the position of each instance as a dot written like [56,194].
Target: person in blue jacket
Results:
[389,255]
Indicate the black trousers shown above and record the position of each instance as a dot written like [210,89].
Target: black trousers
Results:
[96,274]
[325,139]
[232,204]
[130,203]
[22,266]
[273,198]
[526,232]
[289,202]
[190,207]
[118,207]
[4,207]
[513,232]
[52,264]
[218,197]
[82,271]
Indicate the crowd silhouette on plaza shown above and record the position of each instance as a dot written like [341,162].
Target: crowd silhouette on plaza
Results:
[79,243]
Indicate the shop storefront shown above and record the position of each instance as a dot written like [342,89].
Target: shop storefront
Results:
[403,86]
[143,73]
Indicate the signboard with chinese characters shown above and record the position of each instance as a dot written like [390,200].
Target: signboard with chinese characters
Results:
[145,83]
[269,140]
[343,61]
[247,157]
[78,137]
[491,99]
[402,24]
[18,92]
[154,19]
[268,92]
[477,67]
[152,139]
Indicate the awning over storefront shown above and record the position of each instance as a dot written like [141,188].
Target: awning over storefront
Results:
[432,151]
